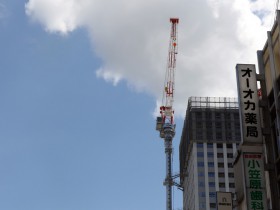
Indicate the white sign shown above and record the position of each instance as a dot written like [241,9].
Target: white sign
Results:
[224,201]
[254,178]
[248,103]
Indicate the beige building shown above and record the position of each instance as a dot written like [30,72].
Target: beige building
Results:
[269,71]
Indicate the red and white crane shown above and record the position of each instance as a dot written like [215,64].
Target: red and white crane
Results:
[165,123]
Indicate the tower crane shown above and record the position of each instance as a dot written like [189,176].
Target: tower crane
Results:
[165,122]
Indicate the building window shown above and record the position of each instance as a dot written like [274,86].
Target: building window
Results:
[208,124]
[211,184]
[199,145]
[201,194]
[221,174]
[229,146]
[231,175]
[209,135]
[237,134]
[220,155]
[200,173]
[222,185]
[212,205]
[210,154]
[198,124]
[237,125]
[208,115]
[231,185]
[230,155]
[219,136]
[211,174]
[219,145]
[200,164]
[229,136]
[198,115]
[227,116]
[228,126]
[210,164]
[209,145]
[220,165]
[212,194]
[230,165]
[200,154]
[199,135]
[218,125]
[201,184]
[218,115]
[201,205]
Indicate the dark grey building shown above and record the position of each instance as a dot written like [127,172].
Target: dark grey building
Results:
[210,137]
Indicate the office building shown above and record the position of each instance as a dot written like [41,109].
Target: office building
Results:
[210,137]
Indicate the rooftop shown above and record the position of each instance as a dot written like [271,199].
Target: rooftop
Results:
[213,102]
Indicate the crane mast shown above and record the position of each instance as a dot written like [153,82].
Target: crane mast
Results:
[165,123]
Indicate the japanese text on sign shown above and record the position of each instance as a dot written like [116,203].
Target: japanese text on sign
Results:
[254,171]
[248,102]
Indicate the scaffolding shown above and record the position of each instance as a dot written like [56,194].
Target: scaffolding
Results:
[213,102]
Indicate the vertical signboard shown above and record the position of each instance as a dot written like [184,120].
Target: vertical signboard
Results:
[248,103]
[254,179]
[224,201]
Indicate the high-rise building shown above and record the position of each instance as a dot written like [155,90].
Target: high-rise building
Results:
[210,137]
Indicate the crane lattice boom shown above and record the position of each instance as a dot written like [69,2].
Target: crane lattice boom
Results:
[166,110]
[165,123]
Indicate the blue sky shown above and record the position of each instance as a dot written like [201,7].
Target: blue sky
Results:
[78,96]
[70,140]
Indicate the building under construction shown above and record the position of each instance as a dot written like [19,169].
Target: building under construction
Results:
[210,137]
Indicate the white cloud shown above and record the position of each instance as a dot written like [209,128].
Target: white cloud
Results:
[131,37]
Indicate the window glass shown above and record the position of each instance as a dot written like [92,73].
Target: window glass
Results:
[222,184]
[200,173]
[218,125]
[230,155]
[201,205]
[210,164]
[218,115]
[220,165]
[212,205]
[211,184]
[231,175]
[200,164]
[221,174]
[200,154]
[212,194]
[201,194]
[220,155]
[211,174]
[208,124]
[210,154]
[201,184]
[231,185]
[218,135]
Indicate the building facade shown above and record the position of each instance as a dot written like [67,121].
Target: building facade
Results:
[269,78]
[210,137]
